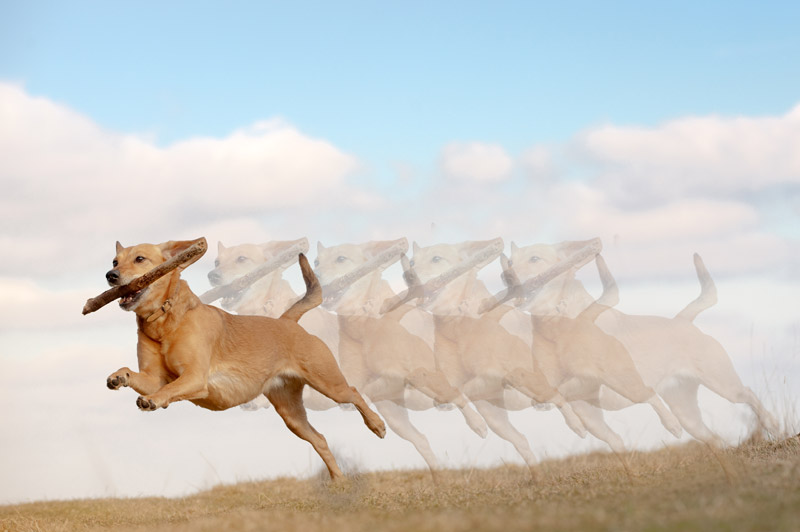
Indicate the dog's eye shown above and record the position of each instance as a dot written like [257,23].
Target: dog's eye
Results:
[216,263]
[114,263]
[139,259]
[534,259]
[341,258]
[241,259]
[437,258]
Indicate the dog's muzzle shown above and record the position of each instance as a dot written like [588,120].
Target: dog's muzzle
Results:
[214,278]
[113,277]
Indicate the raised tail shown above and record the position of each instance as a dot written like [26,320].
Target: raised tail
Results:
[708,293]
[608,298]
[313,295]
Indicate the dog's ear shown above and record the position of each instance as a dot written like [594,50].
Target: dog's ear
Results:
[373,248]
[120,247]
[415,246]
[471,247]
[220,247]
[514,247]
[174,247]
[320,247]
[269,249]
[568,248]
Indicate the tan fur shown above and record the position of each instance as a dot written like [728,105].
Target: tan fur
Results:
[394,367]
[216,360]
[271,296]
[235,261]
[478,354]
[671,356]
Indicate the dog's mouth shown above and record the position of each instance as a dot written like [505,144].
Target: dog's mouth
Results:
[230,303]
[130,301]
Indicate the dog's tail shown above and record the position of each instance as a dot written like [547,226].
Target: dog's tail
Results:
[609,297]
[708,293]
[313,295]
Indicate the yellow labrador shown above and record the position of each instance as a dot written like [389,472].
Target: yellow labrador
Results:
[191,351]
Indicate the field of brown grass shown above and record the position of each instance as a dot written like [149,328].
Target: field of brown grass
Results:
[755,486]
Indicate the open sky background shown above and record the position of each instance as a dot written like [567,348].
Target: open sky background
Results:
[663,129]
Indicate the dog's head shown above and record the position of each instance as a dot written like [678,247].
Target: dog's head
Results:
[431,261]
[530,261]
[132,262]
[235,261]
[335,261]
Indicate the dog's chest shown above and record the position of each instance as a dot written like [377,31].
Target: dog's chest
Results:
[227,389]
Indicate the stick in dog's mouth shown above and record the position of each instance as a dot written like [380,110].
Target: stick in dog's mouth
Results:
[127,302]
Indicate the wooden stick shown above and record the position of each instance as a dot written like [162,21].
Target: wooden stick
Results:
[183,259]
[240,283]
[415,291]
[529,287]
[334,290]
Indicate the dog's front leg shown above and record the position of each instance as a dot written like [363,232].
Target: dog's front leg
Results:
[191,361]
[152,374]
[190,385]
[143,383]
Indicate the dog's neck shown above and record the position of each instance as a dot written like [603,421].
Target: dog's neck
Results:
[256,297]
[365,296]
[157,321]
[561,297]
[460,297]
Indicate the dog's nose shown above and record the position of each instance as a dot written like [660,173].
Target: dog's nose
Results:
[214,277]
[112,277]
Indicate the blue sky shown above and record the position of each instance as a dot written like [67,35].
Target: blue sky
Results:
[398,81]
[663,128]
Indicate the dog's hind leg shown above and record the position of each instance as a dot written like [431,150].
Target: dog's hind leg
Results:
[627,382]
[497,419]
[434,384]
[595,423]
[682,400]
[736,392]
[535,385]
[287,398]
[592,417]
[396,417]
[334,386]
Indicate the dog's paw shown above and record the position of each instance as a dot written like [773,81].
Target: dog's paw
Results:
[146,404]
[117,380]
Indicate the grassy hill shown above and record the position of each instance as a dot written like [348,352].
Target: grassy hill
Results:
[755,486]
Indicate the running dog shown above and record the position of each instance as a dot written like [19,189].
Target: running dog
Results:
[490,365]
[393,367]
[672,356]
[191,351]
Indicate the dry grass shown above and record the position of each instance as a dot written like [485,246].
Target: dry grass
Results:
[753,487]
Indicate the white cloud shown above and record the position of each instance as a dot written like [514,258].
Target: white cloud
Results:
[476,161]
[63,176]
[28,305]
[586,208]
[694,155]
[539,163]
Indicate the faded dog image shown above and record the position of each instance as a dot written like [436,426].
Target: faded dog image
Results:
[671,355]
[447,342]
